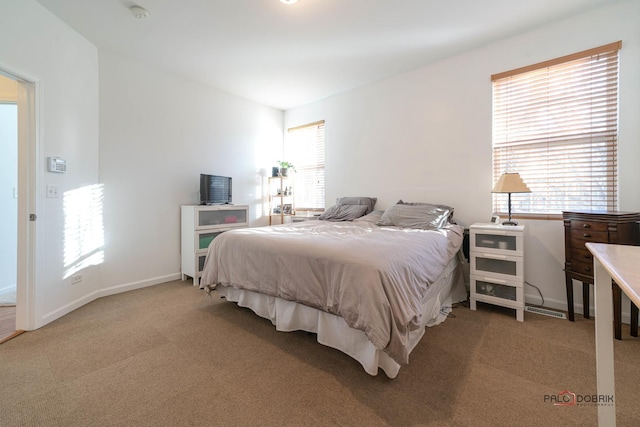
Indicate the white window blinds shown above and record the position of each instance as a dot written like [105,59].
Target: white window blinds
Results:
[556,124]
[305,149]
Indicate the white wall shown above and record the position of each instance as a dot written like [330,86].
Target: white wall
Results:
[36,44]
[135,140]
[158,132]
[426,135]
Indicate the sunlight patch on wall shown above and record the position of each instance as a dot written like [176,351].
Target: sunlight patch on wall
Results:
[83,228]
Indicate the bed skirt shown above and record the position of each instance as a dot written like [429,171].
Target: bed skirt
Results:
[334,332]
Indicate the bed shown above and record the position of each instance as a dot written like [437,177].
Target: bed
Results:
[366,282]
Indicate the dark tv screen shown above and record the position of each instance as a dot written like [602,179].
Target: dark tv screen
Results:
[215,189]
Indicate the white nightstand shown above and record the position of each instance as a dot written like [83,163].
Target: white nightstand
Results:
[497,266]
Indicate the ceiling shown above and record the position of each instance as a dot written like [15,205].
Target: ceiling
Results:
[285,56]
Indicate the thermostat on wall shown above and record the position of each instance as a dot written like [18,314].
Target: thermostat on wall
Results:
[56,164]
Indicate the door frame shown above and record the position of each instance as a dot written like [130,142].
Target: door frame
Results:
[28,185]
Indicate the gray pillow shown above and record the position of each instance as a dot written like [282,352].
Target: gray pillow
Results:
[371,217]
[343,213]
[423,216]
[449,208]
[370,202]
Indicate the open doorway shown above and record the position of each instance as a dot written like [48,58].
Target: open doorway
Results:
[9,203]
[17,189]
[8,195]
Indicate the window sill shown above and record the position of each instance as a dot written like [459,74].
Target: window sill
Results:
[538,217]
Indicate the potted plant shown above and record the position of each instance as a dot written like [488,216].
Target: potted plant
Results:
[285,166]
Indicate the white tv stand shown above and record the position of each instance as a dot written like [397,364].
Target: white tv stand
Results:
[199,226]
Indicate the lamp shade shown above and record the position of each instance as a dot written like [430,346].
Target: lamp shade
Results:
[510,183]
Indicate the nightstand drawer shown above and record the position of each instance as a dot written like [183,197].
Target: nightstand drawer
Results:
[496,239]
[505,289]
[518,305]
[498,266]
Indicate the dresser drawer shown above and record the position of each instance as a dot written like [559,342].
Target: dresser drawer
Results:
[227,216]
[581,254]
[201,260]
[581,235]
[588,225]
[582,267]
[204,238]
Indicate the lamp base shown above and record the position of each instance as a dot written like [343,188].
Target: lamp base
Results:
[510,223]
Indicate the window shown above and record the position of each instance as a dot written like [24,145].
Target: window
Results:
[305,149]
[556,124]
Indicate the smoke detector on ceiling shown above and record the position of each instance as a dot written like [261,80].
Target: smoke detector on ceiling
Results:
[139,12]
[288,1]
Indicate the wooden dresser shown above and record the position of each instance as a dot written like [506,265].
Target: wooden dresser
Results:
[581,227]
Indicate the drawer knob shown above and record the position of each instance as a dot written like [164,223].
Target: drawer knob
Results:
[586,225]
[586,235]
[587,269]
[587,256]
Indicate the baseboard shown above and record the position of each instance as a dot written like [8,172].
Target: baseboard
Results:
[137,285]
[113,290]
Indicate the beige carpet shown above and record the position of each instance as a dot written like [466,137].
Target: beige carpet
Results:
[168,356]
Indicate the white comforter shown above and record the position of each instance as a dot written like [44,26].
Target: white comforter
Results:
[373,277]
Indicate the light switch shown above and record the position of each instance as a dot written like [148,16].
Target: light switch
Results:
[52,191]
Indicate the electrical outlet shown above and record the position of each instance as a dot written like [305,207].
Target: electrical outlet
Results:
[76,278]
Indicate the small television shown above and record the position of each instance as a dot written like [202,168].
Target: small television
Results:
[215,189]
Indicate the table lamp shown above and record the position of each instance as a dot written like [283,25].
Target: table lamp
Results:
[510,183]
